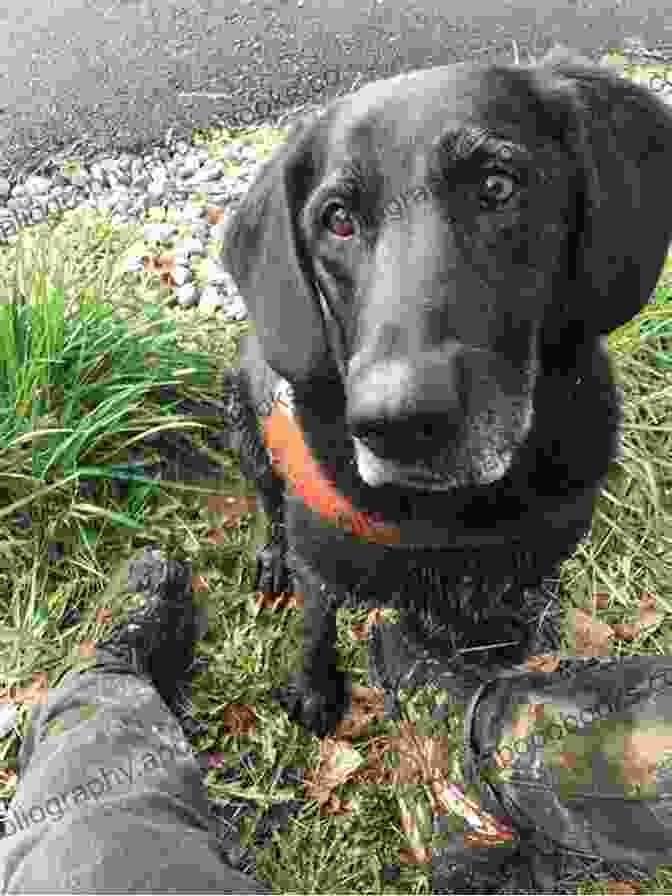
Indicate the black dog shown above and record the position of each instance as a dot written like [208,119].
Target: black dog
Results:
[430,264]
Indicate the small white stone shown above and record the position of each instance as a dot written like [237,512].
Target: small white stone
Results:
[182,275]
[160,232]
[211,300]
[187,296]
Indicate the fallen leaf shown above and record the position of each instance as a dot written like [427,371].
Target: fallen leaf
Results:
[232,504]
[416,822]
[593,638]
[360,630]
[87,649]
[452,800]
[164,265]
[199,583]
[8,776]
[216,536]
[215,214]
[336,806]
[338,761]
[648,610]
[376,769]
[284,601]
[37,692]
[367,705]
[229,511]
[623,887]
[422,759]
[643,750]
[601,600]
[103,616]
[411,857]
[626,631]
[239,718]
[545,662]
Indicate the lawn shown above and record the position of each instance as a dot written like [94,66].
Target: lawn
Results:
[87,351]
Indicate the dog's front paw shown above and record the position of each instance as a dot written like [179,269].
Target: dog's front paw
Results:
[273,575]
[319,711]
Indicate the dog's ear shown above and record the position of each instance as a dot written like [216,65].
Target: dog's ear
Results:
[264,253]
[621,135]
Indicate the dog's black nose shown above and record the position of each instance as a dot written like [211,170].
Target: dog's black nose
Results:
[403,409]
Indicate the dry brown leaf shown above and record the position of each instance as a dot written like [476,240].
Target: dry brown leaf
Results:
[648,610]
[215,214]
[8,776]
[418,853]
[623,887]
[422,856]
[230,504]
[626,631]
[360,631]
[215,536]
[103,615]
[422,759]
[37,692]
[601,600]
[451,800]
[336,806]
[593,638]
[642,752]
[545,662]
[199,583]
[648,615]
[367,705]
[338,761]
[569,760]
[376,615]
[284,601]
[239,718]
[229,511]
[87,649]
[164,265]
[376,770]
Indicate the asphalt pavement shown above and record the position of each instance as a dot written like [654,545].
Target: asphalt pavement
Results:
[82,77]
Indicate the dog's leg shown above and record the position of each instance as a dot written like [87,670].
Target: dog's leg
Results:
[272,573]
[317,697]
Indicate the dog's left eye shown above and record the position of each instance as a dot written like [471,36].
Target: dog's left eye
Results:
[497,189]
[338,220]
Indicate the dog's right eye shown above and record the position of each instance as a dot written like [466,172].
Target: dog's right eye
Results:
[339,220]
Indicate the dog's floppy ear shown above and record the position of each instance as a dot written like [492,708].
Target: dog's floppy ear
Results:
[264,253]
[621,135]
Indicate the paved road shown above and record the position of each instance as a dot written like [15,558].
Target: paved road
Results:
[120,73]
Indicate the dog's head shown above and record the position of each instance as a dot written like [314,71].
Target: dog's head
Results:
[437,242]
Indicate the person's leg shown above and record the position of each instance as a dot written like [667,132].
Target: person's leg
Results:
[110,796]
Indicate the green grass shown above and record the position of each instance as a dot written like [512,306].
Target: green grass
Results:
[84,350]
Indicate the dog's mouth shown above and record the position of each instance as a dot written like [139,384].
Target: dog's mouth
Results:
[376,471]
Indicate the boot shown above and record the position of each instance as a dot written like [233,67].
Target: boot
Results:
[158,638]
[571,762]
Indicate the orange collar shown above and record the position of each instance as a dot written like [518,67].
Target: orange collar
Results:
[292,459]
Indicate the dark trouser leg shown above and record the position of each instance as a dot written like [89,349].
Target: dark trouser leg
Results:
[110,797]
